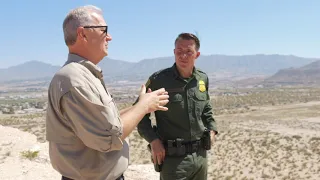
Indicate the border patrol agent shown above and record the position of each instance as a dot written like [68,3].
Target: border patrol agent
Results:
[185,132]
[87,134]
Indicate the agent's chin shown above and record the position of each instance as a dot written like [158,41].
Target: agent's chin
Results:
[182,65]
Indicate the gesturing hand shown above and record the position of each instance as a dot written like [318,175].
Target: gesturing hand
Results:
[154,101]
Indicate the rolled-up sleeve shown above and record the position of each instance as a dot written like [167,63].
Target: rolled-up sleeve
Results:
[98,125]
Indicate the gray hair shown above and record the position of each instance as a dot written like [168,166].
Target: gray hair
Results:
[78,17]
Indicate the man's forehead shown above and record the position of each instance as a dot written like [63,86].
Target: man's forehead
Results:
[99,18]
[185,43]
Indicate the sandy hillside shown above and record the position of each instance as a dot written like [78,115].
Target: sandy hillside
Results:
[15,166]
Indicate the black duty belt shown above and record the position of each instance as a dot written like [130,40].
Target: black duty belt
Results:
[180,148]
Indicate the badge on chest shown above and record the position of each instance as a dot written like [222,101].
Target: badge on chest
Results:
[202,86]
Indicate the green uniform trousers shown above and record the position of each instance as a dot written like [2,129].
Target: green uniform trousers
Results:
[189,167]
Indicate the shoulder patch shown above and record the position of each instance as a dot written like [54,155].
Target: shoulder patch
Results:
[159,73]
[162,71]
[148,82]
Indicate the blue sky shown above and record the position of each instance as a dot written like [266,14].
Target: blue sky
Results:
[142,29]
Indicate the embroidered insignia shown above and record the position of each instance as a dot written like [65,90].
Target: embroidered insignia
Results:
[202,86]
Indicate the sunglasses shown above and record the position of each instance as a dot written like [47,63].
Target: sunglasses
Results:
[104,31]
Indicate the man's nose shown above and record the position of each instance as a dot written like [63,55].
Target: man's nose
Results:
[108,38]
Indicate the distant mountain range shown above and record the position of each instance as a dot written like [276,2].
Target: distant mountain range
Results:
[30,70]
[308,74]
[215,65]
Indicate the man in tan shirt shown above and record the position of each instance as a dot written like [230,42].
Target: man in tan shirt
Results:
[87,134]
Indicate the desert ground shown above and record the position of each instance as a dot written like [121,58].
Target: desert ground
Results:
[263,134]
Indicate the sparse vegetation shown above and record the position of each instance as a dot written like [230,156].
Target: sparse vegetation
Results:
[29,154]
[234,101]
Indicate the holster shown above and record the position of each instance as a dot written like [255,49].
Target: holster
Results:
[206,139]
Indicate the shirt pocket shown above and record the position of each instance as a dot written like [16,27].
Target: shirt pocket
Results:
[200,100]
[201,96]
[175,98]
[176,103]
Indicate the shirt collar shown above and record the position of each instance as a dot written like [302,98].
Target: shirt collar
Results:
[195,72]
[94,69]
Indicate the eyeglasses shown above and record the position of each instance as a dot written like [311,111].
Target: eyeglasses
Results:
[104,31]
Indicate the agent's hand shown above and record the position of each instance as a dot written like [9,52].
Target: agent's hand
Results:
[212,137]
[154,101]
[158,151]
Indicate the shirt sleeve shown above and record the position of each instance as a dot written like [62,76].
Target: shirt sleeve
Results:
[207,114]
[144,127]
[207,117]
[97,125]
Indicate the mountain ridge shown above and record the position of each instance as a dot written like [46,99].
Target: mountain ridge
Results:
[304,75]
[216,65]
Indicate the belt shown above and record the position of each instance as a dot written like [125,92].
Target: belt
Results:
[119,178]
[185,148]
[192,147]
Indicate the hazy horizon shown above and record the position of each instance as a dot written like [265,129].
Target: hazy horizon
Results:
[1,67]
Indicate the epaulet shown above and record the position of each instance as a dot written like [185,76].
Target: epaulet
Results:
[160,73]
[200,71]
[157,74]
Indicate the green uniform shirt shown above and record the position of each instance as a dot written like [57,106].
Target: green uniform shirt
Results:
[190,109]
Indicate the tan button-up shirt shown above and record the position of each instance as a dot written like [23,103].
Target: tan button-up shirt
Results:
[83,124]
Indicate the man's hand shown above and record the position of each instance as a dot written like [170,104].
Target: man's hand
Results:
[153,101]
[213,137]
[158,151]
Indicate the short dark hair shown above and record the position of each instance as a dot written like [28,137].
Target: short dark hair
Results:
[189,36]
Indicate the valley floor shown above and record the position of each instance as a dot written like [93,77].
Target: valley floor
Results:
[271,142]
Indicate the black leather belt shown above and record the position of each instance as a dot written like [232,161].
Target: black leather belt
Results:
[186,147]
[194,146]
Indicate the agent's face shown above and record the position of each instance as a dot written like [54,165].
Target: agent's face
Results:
[185,54]
[96,38]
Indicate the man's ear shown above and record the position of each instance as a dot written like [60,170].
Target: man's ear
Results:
[81,33]
[198,54]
